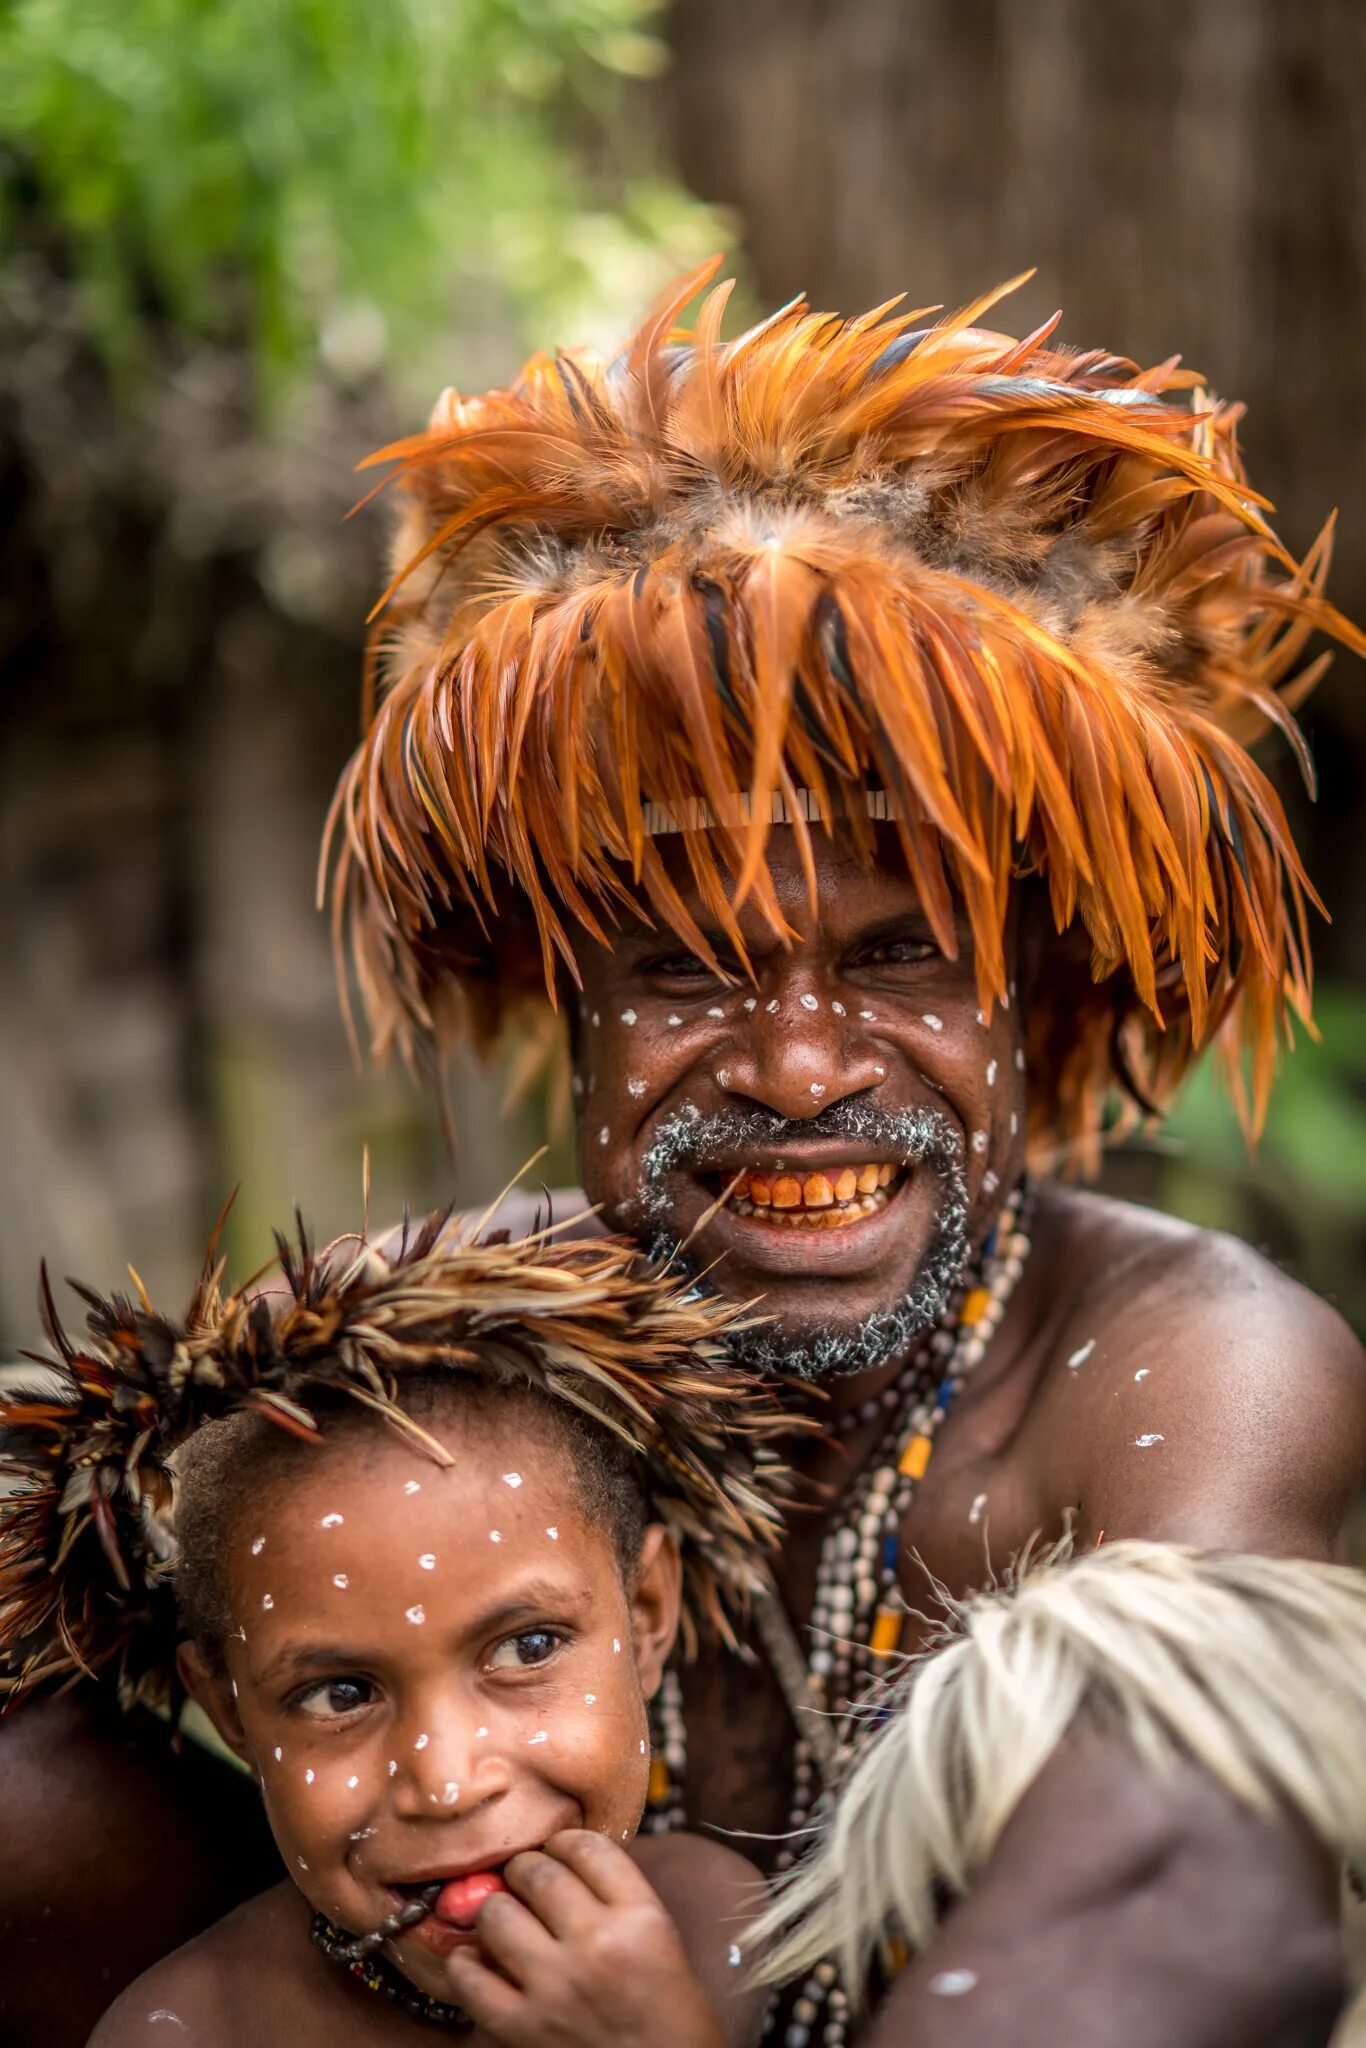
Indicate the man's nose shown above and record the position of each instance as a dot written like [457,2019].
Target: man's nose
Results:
[445,1760]
[800,1049]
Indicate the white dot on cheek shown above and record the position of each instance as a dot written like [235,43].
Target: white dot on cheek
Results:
[421,1742]
[340,1580]
[427,1561]
[628,1016]
[991,1073]
[267,1602]
[616,1645]
[308,1777]
[553,1534]
[817,1089]
[279,1756]
[412,1486]
[642,1747]
[393,1767]
[495,1535]
[480,1733]
[416,1615]
[589,1698]
[673,1022]
[935,1023]
[979,1141]
[301,1863]
[258,1546]
[451,1794]
[604,1136]
[723,1077]
[351,1784]
[512,1479]
[540,1736]
[330,1522]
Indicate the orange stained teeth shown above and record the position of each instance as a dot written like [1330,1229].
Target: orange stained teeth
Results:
[817,1192]
[787,1192]
[868,1182]
[885,1176]
[846,1187]
[760,1191]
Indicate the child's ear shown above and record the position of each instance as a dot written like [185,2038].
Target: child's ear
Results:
[654,1605]
[213,1692]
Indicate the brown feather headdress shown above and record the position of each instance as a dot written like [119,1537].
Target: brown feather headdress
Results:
[1016,600]
[87,1542]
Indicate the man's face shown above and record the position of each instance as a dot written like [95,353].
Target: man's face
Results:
[874,1119]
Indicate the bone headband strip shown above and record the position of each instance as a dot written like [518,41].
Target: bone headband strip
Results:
[695,814]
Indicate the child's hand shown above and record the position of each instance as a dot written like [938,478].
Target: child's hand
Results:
[583,1955]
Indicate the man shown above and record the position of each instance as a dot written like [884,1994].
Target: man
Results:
[846,725]
[846,722]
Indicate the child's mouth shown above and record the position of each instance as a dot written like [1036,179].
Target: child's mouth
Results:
[830,1198]
[455,1908]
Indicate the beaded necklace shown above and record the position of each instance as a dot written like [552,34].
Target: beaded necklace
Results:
[359,1956]
[857,1613]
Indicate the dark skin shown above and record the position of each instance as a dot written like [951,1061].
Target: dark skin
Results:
[1256,1388]
[435,1672]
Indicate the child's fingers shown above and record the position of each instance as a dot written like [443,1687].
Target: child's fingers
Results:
[556,1894]
[514,1938]
[494,2005]
[606,1869]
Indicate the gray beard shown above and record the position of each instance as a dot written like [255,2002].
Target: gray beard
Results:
[925,1137]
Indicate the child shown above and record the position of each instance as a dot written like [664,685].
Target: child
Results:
[428,1527]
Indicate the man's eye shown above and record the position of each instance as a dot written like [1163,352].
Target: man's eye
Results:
[335,1697]
[523,1652]
[902,953]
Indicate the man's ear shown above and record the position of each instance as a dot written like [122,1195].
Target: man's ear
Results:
[654,1605]
[214,1694]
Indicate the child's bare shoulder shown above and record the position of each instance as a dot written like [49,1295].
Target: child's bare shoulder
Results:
[197,1993]
[711,1894]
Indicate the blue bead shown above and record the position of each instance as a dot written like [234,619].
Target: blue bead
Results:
[890,1546]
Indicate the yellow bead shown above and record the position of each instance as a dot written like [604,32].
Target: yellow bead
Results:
[895,1955]
[975,1305]
[886,1632]
[659,1780]
[915,1457]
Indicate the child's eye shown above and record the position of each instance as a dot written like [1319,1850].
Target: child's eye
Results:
[334,1697]
[523,1652]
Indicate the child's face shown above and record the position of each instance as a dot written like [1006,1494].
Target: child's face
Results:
[437,1667]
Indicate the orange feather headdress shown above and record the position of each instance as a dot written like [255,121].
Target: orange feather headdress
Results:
[1018,601]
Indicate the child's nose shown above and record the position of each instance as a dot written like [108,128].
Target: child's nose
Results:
[445,1762]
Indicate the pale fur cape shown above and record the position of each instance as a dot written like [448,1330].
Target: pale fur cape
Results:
[1252,1667]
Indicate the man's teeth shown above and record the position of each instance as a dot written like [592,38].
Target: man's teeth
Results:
[814,1200]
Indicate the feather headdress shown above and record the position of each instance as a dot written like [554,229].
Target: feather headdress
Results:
[1018,601]
[87,1542]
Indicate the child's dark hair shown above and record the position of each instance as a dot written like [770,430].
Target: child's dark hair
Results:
[234,1465]
[160,1427]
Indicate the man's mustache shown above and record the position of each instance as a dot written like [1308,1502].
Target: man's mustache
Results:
[692,1140]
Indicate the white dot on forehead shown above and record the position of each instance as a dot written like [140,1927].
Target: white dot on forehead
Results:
[258,1546]
[539,1736]
[495,1535]
[751,1002]
[308,1777]
[935,1023]
[616,1644]
[331,1522]
[810,1002]
[352,1783]
[589,1698]
[340,1580]
[868,1017]
[267,1601]
[480,1733]
[512,1479]
[412,1486]
[628,1016]
[771,1007]
[393,1767]
[417,1615]
[427,1561]
[279,1756]
[553,1534]
[991,1073]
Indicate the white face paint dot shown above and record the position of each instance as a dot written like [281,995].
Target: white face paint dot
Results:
[351,1784]
[1080,1356]
[816,1089]
[450,1794]
[258,1546]
[412,1486]
[495,1535]
[839,1009]
[596,1020]
[393,1767]
[616,1645]
[733,1955]
[604,1136]
[628,1016]
[981,1018]
[421,1742]
[308,1777]
[589,1698]
[751,1002]
[416,1615]
[723,1077]
[330,1522]
[1014,1123]
[480,1733]
[990,1183]
[1019,1058]
[642,1745]
[1144,1443]
[553,1534]
[868,1017]
[975,1511]
[266,1601]
[512,1479]
[540,1736]
[340,1580]
[810,1002]
[935,1023]
[772,1007]
[673,1022]
[953,1983]
[301,1863]
[979,1141]
[715,1011]
[279,1756]
[427,1561]
[991,1073]
[635,1088]
[1143,1372]
[881,1072]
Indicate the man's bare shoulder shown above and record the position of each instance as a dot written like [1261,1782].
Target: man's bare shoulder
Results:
[1203,1394]
[215,1986]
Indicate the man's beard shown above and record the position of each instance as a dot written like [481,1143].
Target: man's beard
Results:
[924,1137]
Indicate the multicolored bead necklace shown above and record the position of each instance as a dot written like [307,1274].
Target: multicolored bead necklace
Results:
[857,1613]
[359,1956]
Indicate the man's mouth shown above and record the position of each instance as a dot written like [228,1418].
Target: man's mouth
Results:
[828,1198]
